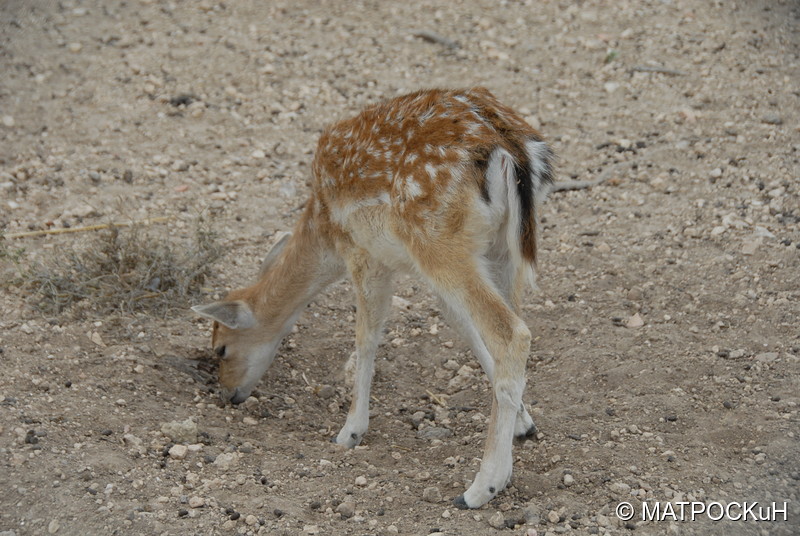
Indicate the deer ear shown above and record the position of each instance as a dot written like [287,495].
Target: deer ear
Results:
[232,314]
[274,253]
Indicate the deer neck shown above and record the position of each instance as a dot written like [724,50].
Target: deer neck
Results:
[307,264]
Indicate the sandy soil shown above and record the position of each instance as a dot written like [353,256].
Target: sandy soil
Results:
[665,362]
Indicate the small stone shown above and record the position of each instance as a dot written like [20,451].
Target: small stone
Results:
[728,404]
[772,119]
[197,502]
[346,509]
[361,481]
[226,460]
[553,517]
[602,247]
[716,173]
[326,391]
[180,165]
[749,247]
[183,512]
[531,514]
[434,432]
[251,520]
[497,521]
[610,87]
[53,526]
[432,495]
[75,47]
[180,431]
[178,452]
[250,421]
[401,303]
[8,121]
[569,480]
[258,154]
[767,357]
[634,322]
[620,487]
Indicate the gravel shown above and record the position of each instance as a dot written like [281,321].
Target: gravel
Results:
[119,111]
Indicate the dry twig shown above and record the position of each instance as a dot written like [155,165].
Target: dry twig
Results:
[659,70]
[433,37]
[148,221]
[581,185]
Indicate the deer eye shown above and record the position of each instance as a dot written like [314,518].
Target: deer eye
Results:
[220,351]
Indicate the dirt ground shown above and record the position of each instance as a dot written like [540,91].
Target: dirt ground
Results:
[665,361]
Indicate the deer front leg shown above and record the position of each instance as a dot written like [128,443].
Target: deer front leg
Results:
[372,283]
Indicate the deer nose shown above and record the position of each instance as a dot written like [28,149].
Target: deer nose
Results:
[234,396]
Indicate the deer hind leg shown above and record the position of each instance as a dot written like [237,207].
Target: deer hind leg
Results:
[512,280]
[372,284]
[524,427]
[470,292]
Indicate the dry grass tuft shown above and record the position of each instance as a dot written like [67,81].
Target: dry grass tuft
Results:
[124,270]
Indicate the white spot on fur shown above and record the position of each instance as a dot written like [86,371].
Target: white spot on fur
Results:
[431,169]
[413,189]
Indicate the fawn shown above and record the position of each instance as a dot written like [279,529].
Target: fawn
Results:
[442,183]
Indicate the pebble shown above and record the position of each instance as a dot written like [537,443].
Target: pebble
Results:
[53,526]
[767,357]
[8,121]
[180,431]
[432,495]
[326,391]
[772,119]
[569,480]
[553,517]
[251,520]
[620,487]
[178,452]
[361,481]
[434,432]
[196,502]
[531,514]
[634,321]
[497,520]
[346,509]
[749,247]
[250,421]
[226,460]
